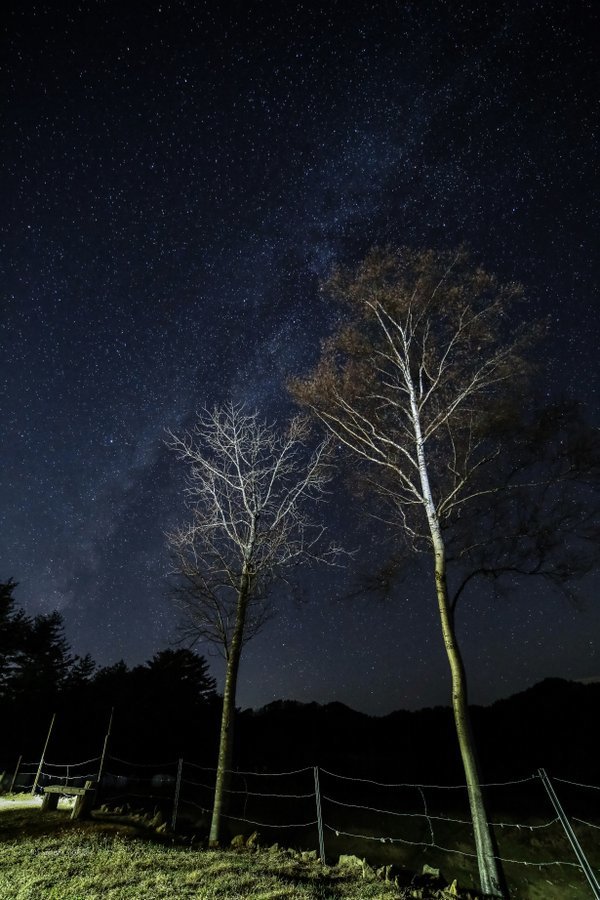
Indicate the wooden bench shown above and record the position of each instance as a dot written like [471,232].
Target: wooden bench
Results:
[84,798]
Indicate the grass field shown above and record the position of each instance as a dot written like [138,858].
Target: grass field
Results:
[46,856]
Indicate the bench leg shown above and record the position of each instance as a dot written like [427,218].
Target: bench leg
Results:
[49,802]
[83,805]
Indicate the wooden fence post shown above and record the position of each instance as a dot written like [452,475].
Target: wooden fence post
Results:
[39,769]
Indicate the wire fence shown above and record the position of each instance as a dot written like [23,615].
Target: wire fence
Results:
[331,812]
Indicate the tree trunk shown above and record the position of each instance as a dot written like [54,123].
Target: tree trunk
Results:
[228,713]
[486,860]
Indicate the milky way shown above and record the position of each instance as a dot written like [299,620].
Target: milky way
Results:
[176,179]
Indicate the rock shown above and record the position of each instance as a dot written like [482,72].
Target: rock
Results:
[430,878]
[238,842]
[429,870]
[274,848]
[349,861]
[253,842]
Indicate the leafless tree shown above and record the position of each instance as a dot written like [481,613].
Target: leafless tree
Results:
[413,383]
[537,518]
[252,491]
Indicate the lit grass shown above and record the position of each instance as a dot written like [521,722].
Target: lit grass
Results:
[95,860]
[46,856]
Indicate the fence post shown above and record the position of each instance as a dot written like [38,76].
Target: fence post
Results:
[104,749]
[177,790]
[581,857]
[14,778]
[39,768]
[319,815]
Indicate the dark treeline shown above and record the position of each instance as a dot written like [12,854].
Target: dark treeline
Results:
[169,708]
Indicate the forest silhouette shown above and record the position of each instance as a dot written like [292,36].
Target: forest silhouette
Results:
[169,708]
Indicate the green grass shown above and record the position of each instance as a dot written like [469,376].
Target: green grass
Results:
[48,857]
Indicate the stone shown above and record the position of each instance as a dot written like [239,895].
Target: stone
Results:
[238,842]
[430,878]
[157,820]
[349,861]
[253,842]
[274,848]
[429,870]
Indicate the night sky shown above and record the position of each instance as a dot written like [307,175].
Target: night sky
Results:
[176,179]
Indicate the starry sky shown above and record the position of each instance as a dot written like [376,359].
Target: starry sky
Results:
[176,179]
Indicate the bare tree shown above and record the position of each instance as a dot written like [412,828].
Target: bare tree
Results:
[252,491]
[412,382]
[538,518]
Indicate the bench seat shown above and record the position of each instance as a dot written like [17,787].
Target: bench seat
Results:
[84,798]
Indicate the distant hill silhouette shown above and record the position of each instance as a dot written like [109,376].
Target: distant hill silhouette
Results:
[548,725]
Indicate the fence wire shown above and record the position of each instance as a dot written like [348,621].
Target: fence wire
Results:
[160,776]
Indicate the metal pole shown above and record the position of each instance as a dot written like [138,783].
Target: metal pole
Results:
[177,790]
[39,769]
[319,815]
[581,857]
[14,778]
[105,747]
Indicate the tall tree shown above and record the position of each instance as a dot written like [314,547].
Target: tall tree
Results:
[45,661]
[14,626]
[413,383]
[251,491]
[35,658]
[182,671]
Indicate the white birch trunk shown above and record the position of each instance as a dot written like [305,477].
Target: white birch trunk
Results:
[486,860]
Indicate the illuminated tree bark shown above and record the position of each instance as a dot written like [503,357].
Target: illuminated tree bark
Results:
[228,712]
[411,383]
[250,489]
